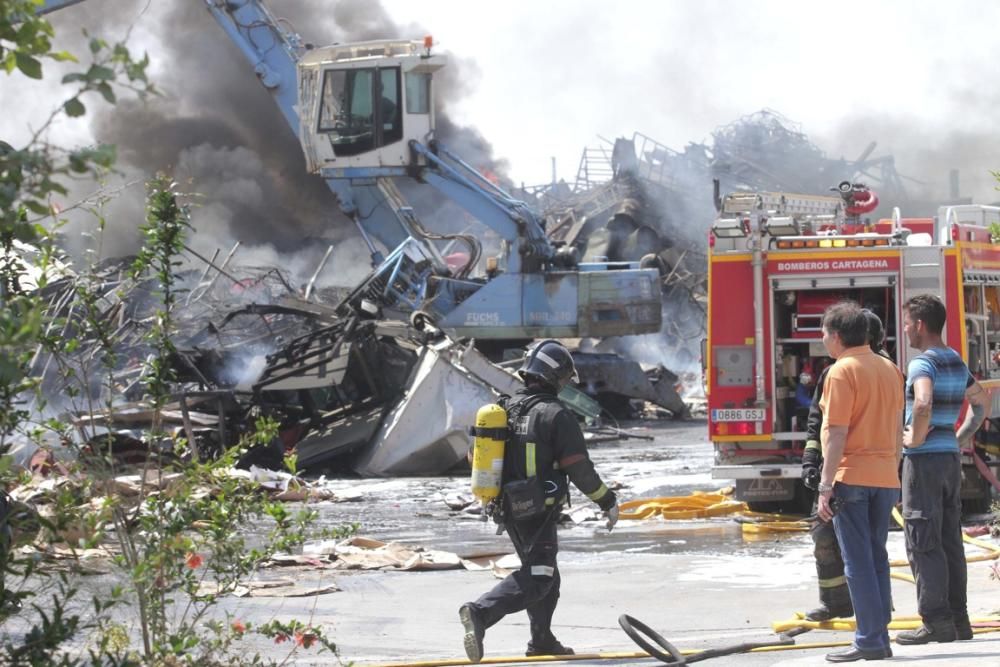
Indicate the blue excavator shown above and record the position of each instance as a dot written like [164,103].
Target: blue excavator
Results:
[364,114]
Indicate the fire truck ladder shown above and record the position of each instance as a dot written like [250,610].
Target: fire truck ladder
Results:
[782,203]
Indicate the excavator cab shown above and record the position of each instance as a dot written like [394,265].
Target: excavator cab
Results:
[361,104]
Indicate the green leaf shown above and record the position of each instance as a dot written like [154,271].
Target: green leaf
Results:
[73,76]
[100,73]
[106,154]
[96,45]
[104,88]
[30,67]
[74,107]
[63,56]
[36,207]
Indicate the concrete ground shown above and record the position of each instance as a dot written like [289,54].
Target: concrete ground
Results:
[695,601]
[700,584]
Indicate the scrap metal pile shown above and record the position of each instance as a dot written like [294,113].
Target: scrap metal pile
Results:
[348,391]
[639,200]
[247,346]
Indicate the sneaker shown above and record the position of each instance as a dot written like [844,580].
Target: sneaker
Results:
[548,648]
[963,629]
[824,613]
[936,632]
[474,632]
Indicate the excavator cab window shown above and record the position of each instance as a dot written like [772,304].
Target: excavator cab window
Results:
[349,115]
[391,115]
[418,92]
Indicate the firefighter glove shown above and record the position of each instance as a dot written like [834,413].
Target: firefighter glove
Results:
[812,461]
[612,515]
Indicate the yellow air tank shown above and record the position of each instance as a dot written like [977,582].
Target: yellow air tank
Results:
[487,452]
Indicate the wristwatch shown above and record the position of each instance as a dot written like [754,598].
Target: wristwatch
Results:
[824,488]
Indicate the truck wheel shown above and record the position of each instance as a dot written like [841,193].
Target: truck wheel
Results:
[800,503]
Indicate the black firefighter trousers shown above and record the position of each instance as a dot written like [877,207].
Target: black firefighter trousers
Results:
[932,511]
[833,592]
[534,587]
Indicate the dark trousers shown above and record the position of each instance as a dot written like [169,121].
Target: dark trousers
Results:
[833,593]
[534,587]
[862,526]
[932,509]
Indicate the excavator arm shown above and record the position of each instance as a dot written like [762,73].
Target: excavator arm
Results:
[364,115]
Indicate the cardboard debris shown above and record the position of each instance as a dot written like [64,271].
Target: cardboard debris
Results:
[365,553]
[275,588]
[458,501]
[292,560]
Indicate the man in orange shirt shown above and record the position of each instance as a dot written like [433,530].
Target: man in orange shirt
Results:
[862,442]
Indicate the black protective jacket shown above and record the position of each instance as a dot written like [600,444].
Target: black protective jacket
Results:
[814,422]
[545,440]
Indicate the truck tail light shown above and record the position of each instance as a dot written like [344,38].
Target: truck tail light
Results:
[734,428]
[954,232]
[711,240]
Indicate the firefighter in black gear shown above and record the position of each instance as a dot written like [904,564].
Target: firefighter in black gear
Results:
[835,599]
[545,446]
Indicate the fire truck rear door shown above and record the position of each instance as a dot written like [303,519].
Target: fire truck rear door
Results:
[922,273]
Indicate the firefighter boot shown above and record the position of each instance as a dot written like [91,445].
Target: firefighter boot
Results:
[475,630]
[836,603]
[824,613]
[931,631]
[550,647]
[963,629]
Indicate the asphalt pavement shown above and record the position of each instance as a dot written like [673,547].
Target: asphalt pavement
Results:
[700,584]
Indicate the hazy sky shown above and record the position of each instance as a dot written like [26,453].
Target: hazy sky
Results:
[916,76]
[544,79]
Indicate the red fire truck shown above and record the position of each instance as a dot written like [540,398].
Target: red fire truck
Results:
[776,261]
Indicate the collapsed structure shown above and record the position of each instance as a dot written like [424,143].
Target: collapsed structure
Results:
[347,390]
[636,199]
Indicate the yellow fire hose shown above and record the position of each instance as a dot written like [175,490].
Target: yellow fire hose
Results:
[698,505]
[898,623]
[707,505]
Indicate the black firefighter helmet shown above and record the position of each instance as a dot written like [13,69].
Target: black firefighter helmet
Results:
[550,363]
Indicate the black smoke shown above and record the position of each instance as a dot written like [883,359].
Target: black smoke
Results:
[219,134]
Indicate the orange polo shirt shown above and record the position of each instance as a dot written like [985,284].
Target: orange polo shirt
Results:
[864,392]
